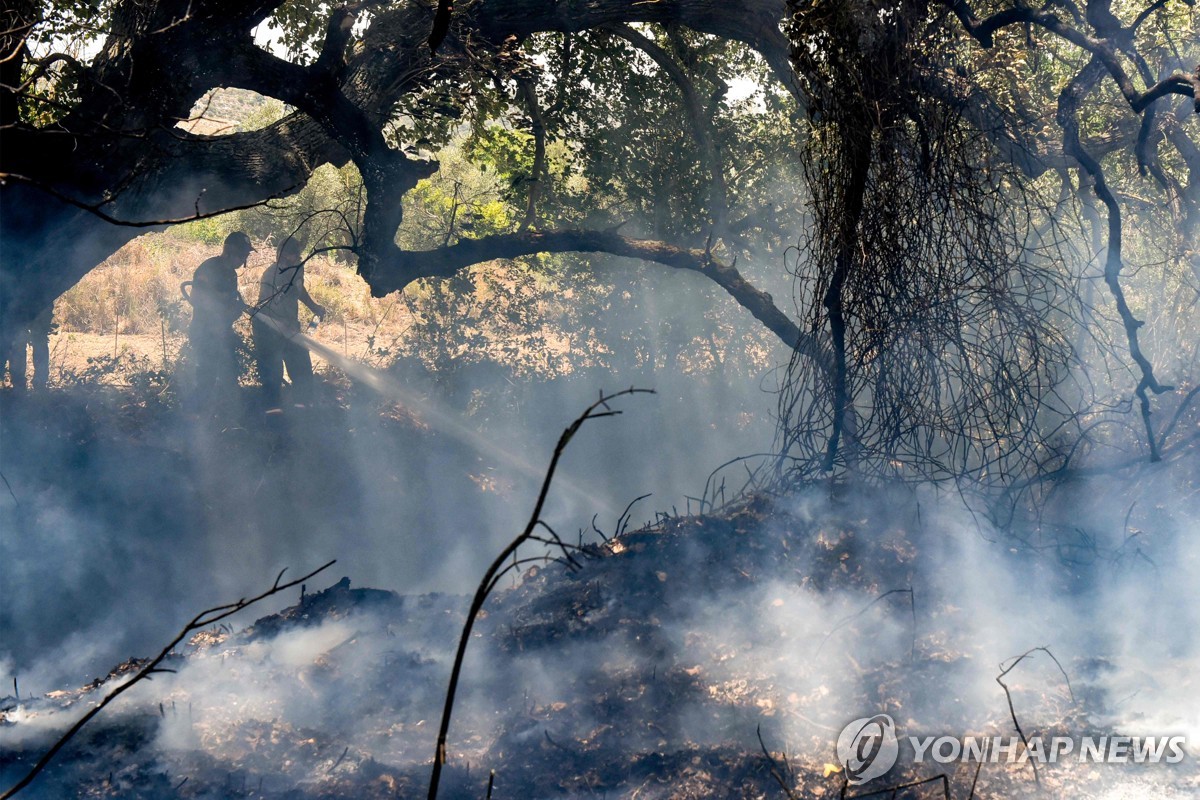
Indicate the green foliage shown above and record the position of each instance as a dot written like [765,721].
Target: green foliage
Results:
[301,26]
[462,200]
[211,230]
[508,154]
[72,20]
[264,116]
[70,28]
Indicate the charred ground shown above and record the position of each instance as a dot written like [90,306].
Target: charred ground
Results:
[650,672]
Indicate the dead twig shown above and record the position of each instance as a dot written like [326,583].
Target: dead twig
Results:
[785,777]
[340,759]
[500,566]
[202,620]
[912,604]
[1012,709]
[10,489]
[975,780]
[624,519]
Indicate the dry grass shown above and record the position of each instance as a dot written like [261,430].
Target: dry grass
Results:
[130,307]
[137,289]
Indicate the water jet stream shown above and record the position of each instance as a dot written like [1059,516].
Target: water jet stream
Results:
[438,419]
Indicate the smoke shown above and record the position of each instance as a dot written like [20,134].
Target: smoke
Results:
[702,635]
[126,522]
[123,522]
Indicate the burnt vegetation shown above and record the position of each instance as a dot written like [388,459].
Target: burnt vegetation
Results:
[933,266]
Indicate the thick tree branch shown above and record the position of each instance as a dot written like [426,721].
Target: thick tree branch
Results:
[1189,151]
[401,267]
[337,39]
[858,160]
[528,94]
[1068,110]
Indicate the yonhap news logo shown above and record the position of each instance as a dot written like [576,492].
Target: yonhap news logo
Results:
[868,747]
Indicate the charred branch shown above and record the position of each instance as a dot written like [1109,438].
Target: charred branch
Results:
[204,619]
[1004,671]
[505,560]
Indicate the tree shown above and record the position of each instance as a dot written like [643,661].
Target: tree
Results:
[93,152]
[940,260]
[944,146]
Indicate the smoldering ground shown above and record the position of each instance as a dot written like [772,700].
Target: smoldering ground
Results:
[674,649]
[124,517]
[663,658]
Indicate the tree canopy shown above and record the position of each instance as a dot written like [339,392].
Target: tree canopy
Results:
[931,158]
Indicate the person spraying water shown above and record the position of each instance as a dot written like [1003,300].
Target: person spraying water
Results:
[216,305]
[277,328]
[275,323]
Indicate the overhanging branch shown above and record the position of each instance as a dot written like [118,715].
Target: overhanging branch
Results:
[402,267]
[1103,47]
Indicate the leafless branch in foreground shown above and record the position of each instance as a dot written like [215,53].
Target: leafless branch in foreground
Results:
[501,565]
[784,775]
[202,620]
[1008,694]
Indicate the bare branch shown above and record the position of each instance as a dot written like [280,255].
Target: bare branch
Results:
[1008,694]
[95,208]
[596,410]
[202,620]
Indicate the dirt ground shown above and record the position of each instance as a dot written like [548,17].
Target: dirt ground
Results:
[597,683]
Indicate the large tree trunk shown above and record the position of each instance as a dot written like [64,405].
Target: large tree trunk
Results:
[54,236]
[74,192]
